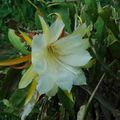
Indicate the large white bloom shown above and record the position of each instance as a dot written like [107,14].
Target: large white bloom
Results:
[57,60]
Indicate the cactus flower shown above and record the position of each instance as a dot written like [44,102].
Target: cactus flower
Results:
[58,61]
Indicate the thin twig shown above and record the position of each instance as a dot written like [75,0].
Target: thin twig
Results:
[92,96]
[103,102]
[96,88]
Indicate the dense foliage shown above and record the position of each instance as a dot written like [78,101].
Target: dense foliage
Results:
[100,98]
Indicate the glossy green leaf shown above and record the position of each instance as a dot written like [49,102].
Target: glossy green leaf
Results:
[16,42]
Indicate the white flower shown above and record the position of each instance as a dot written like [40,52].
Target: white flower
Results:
[58,61]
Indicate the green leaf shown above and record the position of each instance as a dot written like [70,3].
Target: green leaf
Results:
[63,10]
[37,20]
[99,26]
[90,64]
[106,14]
[10,83]
[111,39]
[31,91]
[18,97]
[4,12]
[6,102]
[16,42]
[91,9]
[67,101]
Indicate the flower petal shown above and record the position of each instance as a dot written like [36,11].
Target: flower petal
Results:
[81,30]
[38,61]
[45,83]
[27,78]
[72,50]
[53,91]
[57,27]
[81,79]
[65,82]
[38,43]
[46,31]
[39,66]
[68,44]
[54,78]
[78,58]
[64,78]
[68,41]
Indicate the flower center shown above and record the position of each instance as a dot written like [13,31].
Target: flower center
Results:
[52,51]
[53,54]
